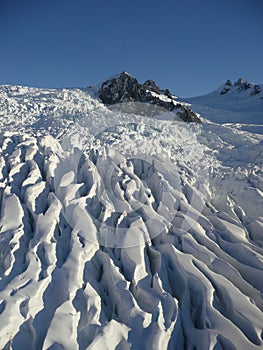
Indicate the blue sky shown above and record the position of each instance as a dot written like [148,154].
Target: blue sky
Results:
[188,46]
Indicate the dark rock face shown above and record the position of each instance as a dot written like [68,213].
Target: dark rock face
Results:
[187,115]
[242,84]
[151,86]
[256,90]
[226,88]
[228,82]
[124,88]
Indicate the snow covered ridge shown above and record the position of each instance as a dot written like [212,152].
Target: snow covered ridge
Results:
[242,85]
[122,231]
[238,102]
[124,88]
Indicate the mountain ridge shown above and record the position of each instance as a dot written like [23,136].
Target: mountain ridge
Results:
[238,102]
[232,102]
[124,88]
[122,231]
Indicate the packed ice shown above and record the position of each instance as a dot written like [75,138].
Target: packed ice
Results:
[123,231]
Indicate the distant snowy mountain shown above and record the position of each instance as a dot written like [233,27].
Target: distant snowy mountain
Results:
[122,229]
[239,102]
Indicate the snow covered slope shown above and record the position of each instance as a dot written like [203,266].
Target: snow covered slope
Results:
[120,231]
[239,102]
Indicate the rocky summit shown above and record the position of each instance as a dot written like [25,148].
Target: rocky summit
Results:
[240,85]
[237,101]
[124,88]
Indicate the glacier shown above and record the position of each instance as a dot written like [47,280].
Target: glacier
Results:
[122,231]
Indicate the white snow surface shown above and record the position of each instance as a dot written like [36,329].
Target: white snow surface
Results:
[235,106]
[123,232]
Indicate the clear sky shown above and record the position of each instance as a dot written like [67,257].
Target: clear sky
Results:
[188,46]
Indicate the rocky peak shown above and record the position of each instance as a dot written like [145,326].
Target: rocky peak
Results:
[227,86]
[241,84]
[151,86]
[124,88]
[120,88]
[228,82]
[256,90]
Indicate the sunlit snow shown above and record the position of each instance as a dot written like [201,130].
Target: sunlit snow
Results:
[119,231]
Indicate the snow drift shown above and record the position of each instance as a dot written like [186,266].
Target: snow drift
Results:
[120,231]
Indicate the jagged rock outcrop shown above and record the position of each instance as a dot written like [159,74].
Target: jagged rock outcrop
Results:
[121,88]
[256,90]
[124,88]
[240,85]
[151,86]
[226,88]
[186,114]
